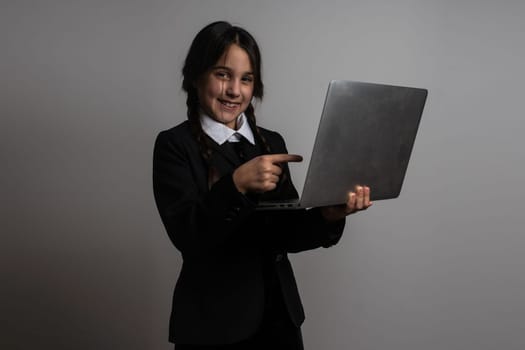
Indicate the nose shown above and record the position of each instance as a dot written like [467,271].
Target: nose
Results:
[234,88]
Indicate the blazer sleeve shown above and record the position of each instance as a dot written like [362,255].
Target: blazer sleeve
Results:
[194,219]
[300,230]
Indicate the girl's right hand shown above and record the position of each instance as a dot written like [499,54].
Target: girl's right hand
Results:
[261,174]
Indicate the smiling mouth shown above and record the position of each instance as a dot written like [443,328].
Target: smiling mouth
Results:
[229,104]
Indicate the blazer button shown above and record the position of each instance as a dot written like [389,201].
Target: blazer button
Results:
[278,257]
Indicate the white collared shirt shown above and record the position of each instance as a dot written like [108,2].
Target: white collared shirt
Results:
[220,133]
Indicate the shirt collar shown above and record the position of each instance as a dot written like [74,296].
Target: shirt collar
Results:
[220,133]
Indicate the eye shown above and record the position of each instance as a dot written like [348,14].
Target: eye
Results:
[247,79]
[222,74]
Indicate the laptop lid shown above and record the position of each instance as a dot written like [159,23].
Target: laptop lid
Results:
[365,137]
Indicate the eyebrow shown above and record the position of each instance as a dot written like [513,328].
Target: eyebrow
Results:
[229,69]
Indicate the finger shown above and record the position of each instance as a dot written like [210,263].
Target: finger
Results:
[351,205]
[266,175]
[268,186]
[360,199]
[276,170]
[272,179]
[266,167]
[367,202]
[284,158]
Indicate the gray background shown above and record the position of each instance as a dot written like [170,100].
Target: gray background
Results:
[87,85]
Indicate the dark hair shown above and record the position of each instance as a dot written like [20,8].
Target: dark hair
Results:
[205,50]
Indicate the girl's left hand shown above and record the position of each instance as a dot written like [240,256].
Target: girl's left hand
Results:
[357,201]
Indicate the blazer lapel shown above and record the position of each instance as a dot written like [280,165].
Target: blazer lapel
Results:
[222,161]
[224,154]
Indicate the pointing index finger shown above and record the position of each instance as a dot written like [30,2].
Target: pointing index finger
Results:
[284,158]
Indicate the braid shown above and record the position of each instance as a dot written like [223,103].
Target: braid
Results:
[250,113]
[192,102]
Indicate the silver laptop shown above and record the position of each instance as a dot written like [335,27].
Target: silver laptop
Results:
[365,137]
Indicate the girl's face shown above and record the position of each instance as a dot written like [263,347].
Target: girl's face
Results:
[226,90]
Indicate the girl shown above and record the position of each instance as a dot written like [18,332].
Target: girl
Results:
[236,288]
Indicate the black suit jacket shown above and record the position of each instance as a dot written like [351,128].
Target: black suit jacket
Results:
[219,297]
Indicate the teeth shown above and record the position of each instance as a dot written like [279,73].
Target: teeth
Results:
[228,104]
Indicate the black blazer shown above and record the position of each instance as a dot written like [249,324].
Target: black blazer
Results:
[219,296]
